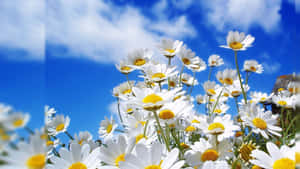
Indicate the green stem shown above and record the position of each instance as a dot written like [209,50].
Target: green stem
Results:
[119,112]
[217,102]
[237,104]
[161,130]
[239,74]
[194,75]
[209,74]
[29,130]
[69,135]
[145,129]
[180,76]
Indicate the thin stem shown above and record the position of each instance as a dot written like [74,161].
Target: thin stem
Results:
[69,135]
[127,78]
[249,134]
[217,101]
[119,112]
[169,61]
[239,74]
[161,130]
[29,130]
[237,104]
[180,76]
[247,77]
[145,128]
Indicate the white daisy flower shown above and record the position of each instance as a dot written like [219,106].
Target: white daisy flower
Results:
[140,135]
[107,127]
[283,158]
[84,137]
[174,81]
[4,109]
[253,66]
[201,99]
[170,48]
[294,87]
[197,65]
[187,56]
[115,150]
[259,97]
[222,126]
[160,72]
[78,157]
[49,113]
[235,89]
[58,124]
[152,158]
[123,90]
[221,108]
[228,76]
[139,58]
[125,67]
[238,41]
[261,122]
[152,99]
[215,60]
[216,165]
[32,155]
[208,150]
[210,87]
[283,101]
[16,120]
[188,80]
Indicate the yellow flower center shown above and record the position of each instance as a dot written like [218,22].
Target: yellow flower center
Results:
[195,121]
[284,163]
[129,110]
[184,80]
[218,111]
[280,89]
[253,68]
[177,97]
[259,123]
[221,80]
[49,143]
[36,162]
[127,91]
[183,145]
[18,123]
[60,127]
[217,125]
[152,98]
[263,99]
[228,81]
[282,103]
[140,122]
[236,45]
[225,94]
[139,62]
[5,137]
[186,61]
[153,167]
[297,157]
[245,151]
[170,50]
[211,91]
[139,137]
[212,100]
[44,136]
[256,167]
[294,89]
[210,155]
[213,62]
[125,68]
[190,129]
[238,133]
[166,114]
[172,83]
[109,128]
[119,158]
[158,75]
[78,165]
[235,93]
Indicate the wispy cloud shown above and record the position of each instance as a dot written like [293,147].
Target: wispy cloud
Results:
[104,32]
[271,68]
[243,14]
[22,27]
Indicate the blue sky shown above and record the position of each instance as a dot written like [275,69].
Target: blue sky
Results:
[65,57]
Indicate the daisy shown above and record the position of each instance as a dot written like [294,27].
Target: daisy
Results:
[210,88]
[201,99]
[82,138]
[207,150]
[259,97]
[152,99]
[32,155]
[187,56]
[123,90]
[139,58]
[283,101]
[221,108]
[253,66]
[174,81]
[235,89]
[58,124]
[152,158]
[115,150]
[107,127]
[141,135]
[216,165]
[139,117]
[125,67]
[215,60]
[228,76]
[261,122]
[16,120]
[238,41]
[188,80]
[222,126]
[170,48]
[49,113]
[75,158]
[197,65]
[294,87]
[283,158]
[160,72]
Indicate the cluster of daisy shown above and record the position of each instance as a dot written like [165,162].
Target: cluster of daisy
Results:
[160,124]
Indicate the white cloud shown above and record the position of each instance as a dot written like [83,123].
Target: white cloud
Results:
[105,32]
[22,27]
[243,14]
[183,4]
[271,68]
